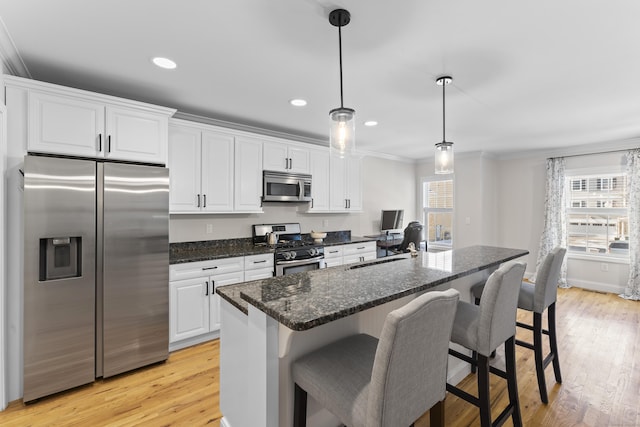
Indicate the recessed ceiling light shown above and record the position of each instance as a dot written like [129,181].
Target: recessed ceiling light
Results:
[164,63]
[371,123]
[298,102]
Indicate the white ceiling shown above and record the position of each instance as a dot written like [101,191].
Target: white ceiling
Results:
[527,74]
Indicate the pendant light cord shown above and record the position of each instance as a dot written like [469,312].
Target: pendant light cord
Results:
[340,50]
[443,112]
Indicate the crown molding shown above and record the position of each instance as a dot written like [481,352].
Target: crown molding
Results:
[278,134]
[12,62]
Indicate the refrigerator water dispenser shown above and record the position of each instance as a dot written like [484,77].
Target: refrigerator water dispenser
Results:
[60,258]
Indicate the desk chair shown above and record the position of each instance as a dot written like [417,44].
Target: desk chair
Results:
[412,234]
[482,329]
[536,298]
[388,382]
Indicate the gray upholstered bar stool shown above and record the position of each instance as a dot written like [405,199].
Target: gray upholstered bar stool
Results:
[537,298]
[482,328]
[367,382]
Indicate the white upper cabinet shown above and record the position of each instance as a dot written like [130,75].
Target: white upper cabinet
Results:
[248,175]
[345,187]
[137,135]
[73,122]
[201,165]
[217,172]
[63,125]
[319,169]
[285,157]
[184,169]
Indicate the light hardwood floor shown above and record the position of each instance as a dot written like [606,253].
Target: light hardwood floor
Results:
[599,340]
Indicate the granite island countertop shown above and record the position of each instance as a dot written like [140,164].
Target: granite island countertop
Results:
[303,301]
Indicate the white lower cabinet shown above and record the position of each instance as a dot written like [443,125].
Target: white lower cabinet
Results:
[194,306]
[258,267]
[358,252]
[333,256]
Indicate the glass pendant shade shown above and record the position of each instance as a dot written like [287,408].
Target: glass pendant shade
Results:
[342,141]
[444,157]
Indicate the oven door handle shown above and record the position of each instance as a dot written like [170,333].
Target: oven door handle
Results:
[300,261]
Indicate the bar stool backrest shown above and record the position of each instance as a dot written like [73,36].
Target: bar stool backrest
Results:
[498,306]
[546,290]
[410,368]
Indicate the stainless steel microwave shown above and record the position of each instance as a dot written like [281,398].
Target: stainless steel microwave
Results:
[286,187]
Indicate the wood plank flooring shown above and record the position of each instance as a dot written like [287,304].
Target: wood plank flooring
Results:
[599,340]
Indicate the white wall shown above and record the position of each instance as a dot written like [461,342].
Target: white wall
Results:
[521,185]
[475,199]
[503,200]
[386,184]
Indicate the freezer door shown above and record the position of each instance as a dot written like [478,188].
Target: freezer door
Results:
[59,274]
[135,265]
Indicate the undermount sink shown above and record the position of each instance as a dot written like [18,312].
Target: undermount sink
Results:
[369,264]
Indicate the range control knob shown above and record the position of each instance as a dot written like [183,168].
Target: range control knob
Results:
[313,251]
[289,255]
[292,254]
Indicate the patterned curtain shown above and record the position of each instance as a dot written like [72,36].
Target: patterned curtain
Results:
[555,208]
[632,291]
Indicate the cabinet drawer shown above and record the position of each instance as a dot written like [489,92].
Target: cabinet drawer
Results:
[357,248]
[333,252]
[211,268]
[261,261]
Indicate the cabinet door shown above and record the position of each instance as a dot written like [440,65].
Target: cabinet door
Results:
[184,169]
[337,180]
[248,175]
[62,125]
[136,135]
[217,172]
[298,159]
[319,168]
[214,298]
[189,308]
[275,157]
[354,184]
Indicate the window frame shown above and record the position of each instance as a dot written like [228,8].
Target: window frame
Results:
[426,210]
[599,175]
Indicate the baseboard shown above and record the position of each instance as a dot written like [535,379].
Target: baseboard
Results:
[179,345]
[224,422]
[597,286]
[458,373]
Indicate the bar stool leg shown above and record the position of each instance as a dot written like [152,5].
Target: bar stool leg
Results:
[553,344]
[512,383]
[436,414]
[483,391]
[299,407]
[539,359]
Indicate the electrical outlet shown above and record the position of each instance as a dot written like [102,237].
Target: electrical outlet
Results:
[604,266]
[209,228]
[467,220]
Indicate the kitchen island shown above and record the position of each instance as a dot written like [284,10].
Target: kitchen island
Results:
[267,324]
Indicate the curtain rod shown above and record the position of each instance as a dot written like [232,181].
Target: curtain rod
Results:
[593,154]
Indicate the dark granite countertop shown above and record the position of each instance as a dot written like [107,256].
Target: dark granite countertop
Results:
[227,248]
[303,301]
[213,249]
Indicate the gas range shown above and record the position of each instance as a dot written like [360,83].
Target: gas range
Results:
[291,252]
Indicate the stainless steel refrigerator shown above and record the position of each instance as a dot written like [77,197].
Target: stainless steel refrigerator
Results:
[96,270]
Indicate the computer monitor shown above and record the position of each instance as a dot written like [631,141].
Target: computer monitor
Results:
[391,220]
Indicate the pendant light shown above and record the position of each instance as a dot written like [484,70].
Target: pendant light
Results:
[342,120]
[444,149]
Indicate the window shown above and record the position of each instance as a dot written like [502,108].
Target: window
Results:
[437,203]
[597,218]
